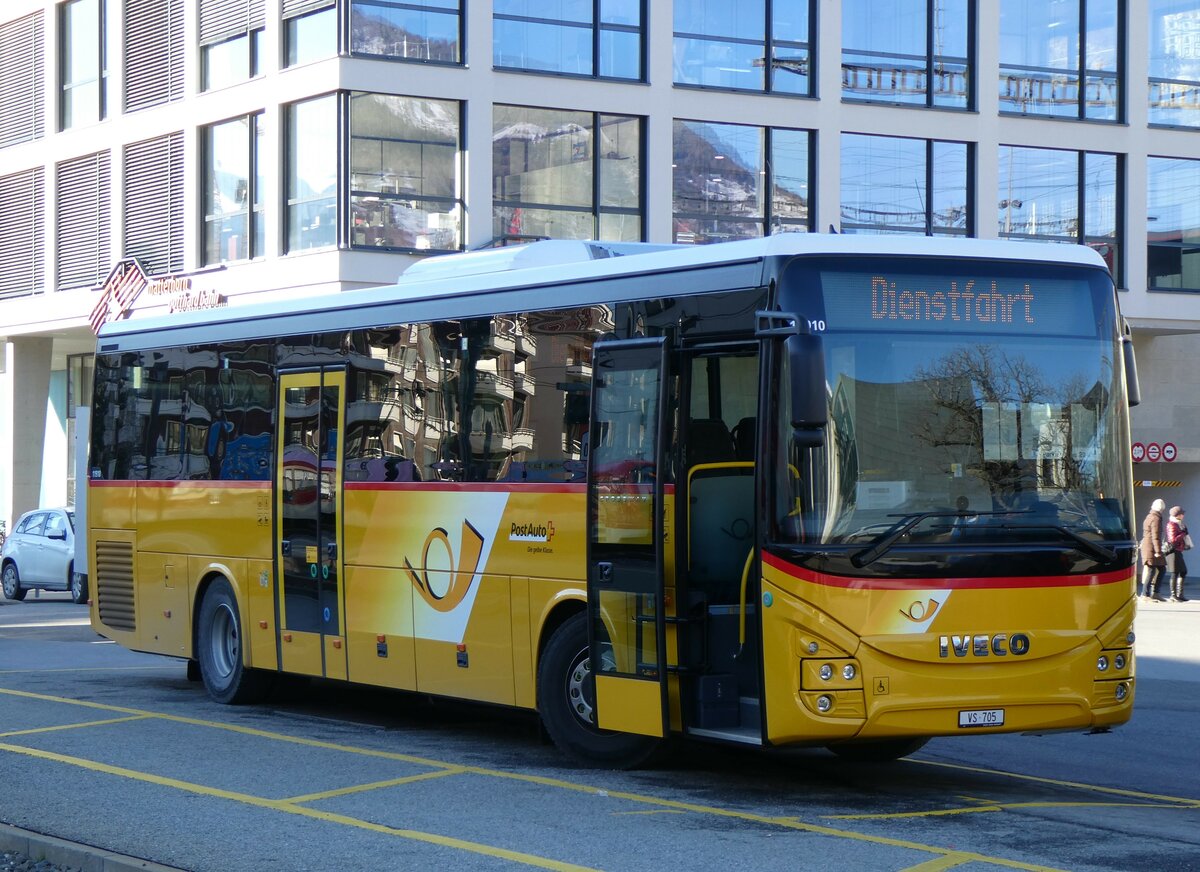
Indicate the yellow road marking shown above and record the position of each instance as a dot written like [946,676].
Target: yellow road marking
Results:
[85,669]
[975,809]
[649,812]
[74,726]
[362,788]
[658,802]
[292,808]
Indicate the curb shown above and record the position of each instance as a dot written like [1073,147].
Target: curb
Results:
[36,846]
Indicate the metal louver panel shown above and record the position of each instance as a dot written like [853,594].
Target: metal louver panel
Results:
[114,585]
[292,8]
[222,18]
[82,250]
[22,232]
[153,203]
[154,52]
[22,72]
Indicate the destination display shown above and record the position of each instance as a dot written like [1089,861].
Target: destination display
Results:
[992,298]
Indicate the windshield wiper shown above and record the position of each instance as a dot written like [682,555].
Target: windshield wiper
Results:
[889,538]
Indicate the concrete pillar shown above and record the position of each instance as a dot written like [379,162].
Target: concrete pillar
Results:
[27,379]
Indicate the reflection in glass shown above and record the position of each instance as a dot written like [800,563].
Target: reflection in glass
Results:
[1054,63]
[901,185]
[548,166]
[312,174]
[1015,426]
[734,181]
[230,61]
[732,44]
[311,37]
[232,191]
[907,51]
[1174,27]
[423,31]
[404,173]
[563,37]
[1039,198]
[1173,213]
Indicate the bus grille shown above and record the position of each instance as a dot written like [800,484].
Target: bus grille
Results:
[114,584]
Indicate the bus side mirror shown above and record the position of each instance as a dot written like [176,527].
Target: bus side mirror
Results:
[1132,387]
[810,408]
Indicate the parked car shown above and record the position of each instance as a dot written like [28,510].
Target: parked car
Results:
[40,553]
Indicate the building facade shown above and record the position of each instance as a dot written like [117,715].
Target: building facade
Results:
[163,155]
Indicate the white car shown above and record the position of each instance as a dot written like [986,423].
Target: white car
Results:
[40,553]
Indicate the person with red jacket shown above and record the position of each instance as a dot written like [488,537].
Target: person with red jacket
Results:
[1177,535]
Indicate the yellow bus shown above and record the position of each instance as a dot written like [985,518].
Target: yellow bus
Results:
[802,490]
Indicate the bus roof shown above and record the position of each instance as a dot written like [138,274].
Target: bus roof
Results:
[514,279]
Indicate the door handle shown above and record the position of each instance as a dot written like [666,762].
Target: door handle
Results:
[285,547]
[331,550]
[604,573]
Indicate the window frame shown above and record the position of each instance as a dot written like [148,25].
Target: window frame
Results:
[255,204]
[65,51]
[460,44]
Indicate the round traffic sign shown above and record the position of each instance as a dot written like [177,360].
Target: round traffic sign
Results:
[1154,452]
[1169,451]
[1139,452]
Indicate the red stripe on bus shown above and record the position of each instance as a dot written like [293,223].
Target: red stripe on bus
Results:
[469,487]
[1032,581]
[193,482]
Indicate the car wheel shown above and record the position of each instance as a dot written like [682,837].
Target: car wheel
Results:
[79,587]
[219,649]
[12,583]
[567,700]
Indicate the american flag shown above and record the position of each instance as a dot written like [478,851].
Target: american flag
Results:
[117,294]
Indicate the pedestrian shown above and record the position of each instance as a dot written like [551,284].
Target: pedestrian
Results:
[1153,561]
[1177,535]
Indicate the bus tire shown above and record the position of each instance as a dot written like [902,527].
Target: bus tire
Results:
[567,704]
[12,583]
[219,644]
[882,751]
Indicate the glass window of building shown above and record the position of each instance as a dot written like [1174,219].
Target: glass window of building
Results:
[231,33]
[1175,62]
[601,38]
[1061,58]
[405,173]
[311,178]
[747,45]
[898,185]
[413,31]
[233,185]
[83,62]
[566,175]
[1051,195]
[916,52]
[736,181]
[1173,216]
[310,31]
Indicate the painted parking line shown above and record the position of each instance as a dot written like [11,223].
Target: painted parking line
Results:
[73,622]
[945,857]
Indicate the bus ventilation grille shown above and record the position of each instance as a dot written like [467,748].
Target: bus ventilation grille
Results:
[114,584]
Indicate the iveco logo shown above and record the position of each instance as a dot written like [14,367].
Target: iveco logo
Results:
[983,645]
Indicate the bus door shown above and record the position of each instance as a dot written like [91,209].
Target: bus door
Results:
[717,558]
[308,487]
[625,535]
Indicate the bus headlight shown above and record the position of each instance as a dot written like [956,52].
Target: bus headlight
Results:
[848,672]
[1119,661]
[826,672]
[824,703]
[1122,692]
[1102,663]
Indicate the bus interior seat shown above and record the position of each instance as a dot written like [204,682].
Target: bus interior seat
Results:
[745,434]
[709,441]
[720,531]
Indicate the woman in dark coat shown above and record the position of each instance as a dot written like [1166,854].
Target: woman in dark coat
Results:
[1153,561]
[1177,535]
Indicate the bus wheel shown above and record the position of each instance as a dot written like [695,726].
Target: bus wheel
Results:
[219,649]
[878,752]
[567,704]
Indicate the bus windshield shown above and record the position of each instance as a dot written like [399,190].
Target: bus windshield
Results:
[967,400]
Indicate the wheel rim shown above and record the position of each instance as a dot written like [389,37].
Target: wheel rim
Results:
[581,684]
[224,645]
[76,588]
[10,581]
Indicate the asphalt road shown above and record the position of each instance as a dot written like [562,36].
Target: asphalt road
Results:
[117,750]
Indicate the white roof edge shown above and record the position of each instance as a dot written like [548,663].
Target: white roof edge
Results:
[558,261]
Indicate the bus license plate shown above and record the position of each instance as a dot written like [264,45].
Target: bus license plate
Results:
[981,718]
